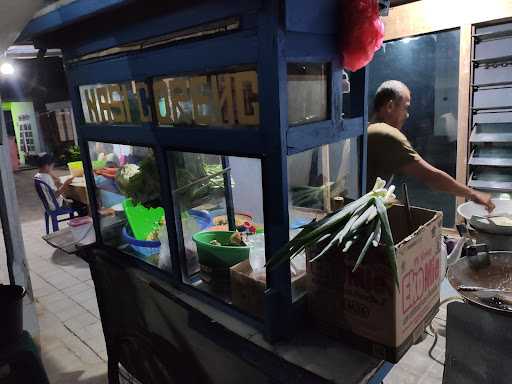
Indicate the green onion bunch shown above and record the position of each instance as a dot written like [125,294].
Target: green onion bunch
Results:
[363,221]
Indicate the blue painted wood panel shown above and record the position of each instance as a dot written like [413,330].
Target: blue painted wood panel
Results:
[318,16]
[236,49]
[161,24]
[223,141]
[306,47]
[303,138]
[66,15]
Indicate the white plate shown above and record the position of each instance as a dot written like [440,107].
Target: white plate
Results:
[470,209]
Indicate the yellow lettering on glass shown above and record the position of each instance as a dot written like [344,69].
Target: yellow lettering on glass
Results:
[161,94]
[126,103]
[217,99]
[224,94]
[247,105]
[180,96]
[200,92]
[138,96]
[117,107]
[104,105]
[90,99]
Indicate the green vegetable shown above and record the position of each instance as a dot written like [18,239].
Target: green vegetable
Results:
[73,154]
[143,186]
[362,220]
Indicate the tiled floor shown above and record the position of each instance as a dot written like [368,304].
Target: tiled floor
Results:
[71,338]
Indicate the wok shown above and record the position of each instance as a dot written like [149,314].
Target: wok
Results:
[497,274]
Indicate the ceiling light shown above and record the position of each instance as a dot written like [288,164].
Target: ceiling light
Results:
[6,69]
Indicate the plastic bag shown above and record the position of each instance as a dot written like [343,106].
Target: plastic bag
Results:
[362,33]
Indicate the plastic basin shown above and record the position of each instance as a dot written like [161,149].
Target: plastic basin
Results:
[218,256]
[145,248]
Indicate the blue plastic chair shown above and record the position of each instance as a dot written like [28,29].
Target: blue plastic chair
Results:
[49,213]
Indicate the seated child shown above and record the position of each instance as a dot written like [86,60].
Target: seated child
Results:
[45,164]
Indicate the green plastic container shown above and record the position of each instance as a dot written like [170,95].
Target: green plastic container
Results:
[218,256]
[99,164]
[142,220]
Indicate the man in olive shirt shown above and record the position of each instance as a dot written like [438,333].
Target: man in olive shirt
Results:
[390,153]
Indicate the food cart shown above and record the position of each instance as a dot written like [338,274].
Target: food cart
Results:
[195,120]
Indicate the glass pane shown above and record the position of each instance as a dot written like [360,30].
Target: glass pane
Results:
[319,181]
[429,66]
[127,185]
[221,99]
[307,93]
[318,178]
[126,103]
[217,196]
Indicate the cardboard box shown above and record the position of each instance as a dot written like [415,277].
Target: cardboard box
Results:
[248,288]
[366,307]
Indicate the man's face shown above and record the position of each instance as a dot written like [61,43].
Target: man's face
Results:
[398,110]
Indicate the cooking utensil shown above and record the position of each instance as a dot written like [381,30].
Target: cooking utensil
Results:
[407,206]
[497,275]
[472,288]
[509,215]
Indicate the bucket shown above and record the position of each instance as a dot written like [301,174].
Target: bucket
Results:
[76,168]
[82,230]
[145,248]
[11,321]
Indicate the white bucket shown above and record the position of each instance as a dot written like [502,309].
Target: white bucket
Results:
[82,230]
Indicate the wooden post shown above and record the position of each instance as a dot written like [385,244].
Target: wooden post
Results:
[463,118]
[326,178]
[14,247]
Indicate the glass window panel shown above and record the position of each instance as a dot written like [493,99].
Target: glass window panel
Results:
[319,180]
[219,99]
[126,103]
[429,66]
[210,192]
[127,183]
[307,93]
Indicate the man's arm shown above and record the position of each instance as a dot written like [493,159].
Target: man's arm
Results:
[441,181]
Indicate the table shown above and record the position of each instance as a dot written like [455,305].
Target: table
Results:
[77,190]
[63,240]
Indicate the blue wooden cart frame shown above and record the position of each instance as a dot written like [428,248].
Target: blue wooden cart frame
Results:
[272,33]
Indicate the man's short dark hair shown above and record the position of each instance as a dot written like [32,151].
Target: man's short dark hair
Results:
[388,90]
[44,159]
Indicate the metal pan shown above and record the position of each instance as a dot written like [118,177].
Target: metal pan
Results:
[495,275]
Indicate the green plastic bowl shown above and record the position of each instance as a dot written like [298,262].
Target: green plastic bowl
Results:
[218,256]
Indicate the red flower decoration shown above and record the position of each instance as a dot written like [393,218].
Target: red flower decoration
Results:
[362,33]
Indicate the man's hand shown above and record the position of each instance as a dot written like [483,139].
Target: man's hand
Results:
[440,181]
[482,199]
